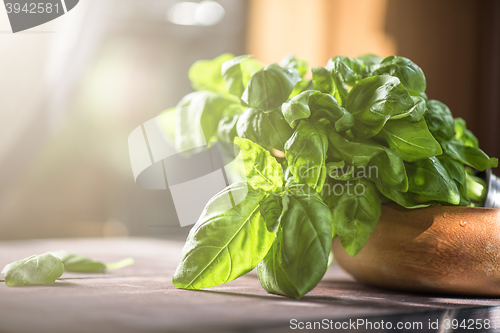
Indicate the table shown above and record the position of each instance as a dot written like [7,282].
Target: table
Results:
[141,298]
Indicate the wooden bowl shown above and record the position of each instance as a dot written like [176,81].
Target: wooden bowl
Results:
[441,249]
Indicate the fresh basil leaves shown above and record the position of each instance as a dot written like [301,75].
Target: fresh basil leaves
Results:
[321,152]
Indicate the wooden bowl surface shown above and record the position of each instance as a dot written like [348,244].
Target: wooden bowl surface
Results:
[441,249]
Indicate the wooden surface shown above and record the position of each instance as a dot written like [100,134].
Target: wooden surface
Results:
[142,298]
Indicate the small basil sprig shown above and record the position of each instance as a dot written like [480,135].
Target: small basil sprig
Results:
[321,153]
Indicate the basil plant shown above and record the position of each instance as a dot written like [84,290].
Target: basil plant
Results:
[322,150]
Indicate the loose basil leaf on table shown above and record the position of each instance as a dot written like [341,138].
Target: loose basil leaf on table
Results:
[269,130]
[411,140]
[306,152]
[298,258]
[270,87]
[355,213]
[262,171]
[430,179]
[76,263]
[206,74]
[224,244]
[41,269]
[411,76]
[374,100]
[471,156]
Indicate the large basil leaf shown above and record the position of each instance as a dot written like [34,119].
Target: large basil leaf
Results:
[439,120]
[306,152]
[380,164]
[463,134]
[199,108]
[471,156]
[356,212]
[262,171]
[374,100]
[430,179]
[226,130]
[224,244]
[269,130]
[298,258]
[206,74]
[411,140]
[411,76]
[40,269]
[270,87]
[237,72]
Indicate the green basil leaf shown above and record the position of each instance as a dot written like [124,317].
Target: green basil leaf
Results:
[338,170]
[202,107]
[295,265]
[407,200]
[271,209]
[291,62]
[378,163]
[355,213]
[40,269]
[439,120]
[325,106]
[262,171]
[226,130]
[270,87]
[411,140]
[224,244]
[206,74]
[269,130]
[419,108]
[305,152]
[237,72]
[369,63]
[471,156]
[374,100]
[322,80]
[297,108]
[430,179]
[463,134]
[456,171]
[345,68]
[77,263]
[411,76]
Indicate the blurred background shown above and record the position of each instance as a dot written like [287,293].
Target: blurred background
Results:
[73,89]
